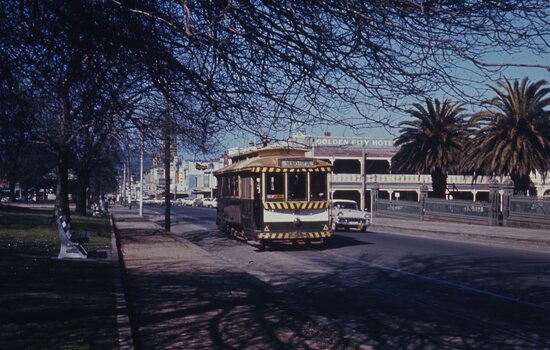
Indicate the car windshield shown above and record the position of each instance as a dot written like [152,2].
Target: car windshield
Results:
[345,205]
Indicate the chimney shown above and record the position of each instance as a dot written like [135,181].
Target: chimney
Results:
[327,133]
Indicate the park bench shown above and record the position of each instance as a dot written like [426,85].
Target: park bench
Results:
[73,244]
[99,209]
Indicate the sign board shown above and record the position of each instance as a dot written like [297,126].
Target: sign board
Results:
[297,162]
[359,142]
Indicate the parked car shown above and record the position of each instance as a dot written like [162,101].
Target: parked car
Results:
[197,202]
[186,201]
[345,214]
[210,202]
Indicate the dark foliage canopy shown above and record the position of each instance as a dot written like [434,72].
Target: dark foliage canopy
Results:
[432,140]
[512,136]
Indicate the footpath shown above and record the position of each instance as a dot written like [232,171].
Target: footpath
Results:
[511,237]
[180,296]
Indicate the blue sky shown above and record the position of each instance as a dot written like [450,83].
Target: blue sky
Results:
[534,74]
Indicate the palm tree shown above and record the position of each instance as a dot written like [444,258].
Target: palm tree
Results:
[431,142]
[512,137]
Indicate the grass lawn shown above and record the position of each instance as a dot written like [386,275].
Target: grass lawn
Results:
[47,303]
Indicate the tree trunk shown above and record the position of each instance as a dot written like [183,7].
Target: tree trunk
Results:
[82,199]
[26,192]
[62,190]
[12,189]
[439,183]
[167,202]
[521,183]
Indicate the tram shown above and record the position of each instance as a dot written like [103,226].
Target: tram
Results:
[275,194]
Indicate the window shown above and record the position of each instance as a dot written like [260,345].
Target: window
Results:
[275,187]
[235,188]
[318,186]
[193,181]
[297,186]
[230,185]
[345,205]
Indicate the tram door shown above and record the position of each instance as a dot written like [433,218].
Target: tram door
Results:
[257,206]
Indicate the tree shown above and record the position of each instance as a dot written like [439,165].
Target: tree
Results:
[432,142]
[263,66]
[71,76]
[512,136]
[260,67]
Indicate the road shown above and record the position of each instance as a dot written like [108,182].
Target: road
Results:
[394,291]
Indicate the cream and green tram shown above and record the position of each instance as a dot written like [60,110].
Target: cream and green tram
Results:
[275,196]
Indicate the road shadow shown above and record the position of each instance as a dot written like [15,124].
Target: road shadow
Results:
[435,302]
[180,300]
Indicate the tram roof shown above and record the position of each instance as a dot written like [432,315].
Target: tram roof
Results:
[272,163]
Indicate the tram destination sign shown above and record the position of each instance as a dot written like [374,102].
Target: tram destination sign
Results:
[297,162]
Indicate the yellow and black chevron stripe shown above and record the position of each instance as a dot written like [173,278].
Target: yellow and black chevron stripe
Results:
[295,235]
[292,170]
[296,205]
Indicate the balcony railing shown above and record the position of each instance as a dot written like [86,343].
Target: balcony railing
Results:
[406,179]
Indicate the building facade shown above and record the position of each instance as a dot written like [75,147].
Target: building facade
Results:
[361,162]
[187,179]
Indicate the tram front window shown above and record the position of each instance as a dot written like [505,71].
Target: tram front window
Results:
[297,186]
[318,186]
[275,187]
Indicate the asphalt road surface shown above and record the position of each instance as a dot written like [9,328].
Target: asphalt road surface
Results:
[394,291]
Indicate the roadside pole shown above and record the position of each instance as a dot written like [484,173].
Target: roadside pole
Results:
[141,176]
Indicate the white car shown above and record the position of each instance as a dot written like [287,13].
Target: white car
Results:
[186,201]
[210,202]
[345,214]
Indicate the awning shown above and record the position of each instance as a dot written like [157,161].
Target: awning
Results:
[202,190]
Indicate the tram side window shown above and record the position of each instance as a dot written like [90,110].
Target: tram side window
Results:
[318,186]
[230,185]
[246,187]
[225,186]
[297,186]
[236,191]
[275,187]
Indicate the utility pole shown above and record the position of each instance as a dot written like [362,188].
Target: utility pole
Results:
[123,186]
[129,183]
[141,175]
[363,179]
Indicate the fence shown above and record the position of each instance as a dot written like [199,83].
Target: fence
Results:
[528,210]
[457,210]
[398,208]
[502,209]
